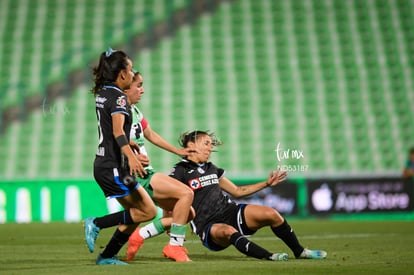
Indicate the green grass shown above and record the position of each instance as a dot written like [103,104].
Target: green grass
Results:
[354,247]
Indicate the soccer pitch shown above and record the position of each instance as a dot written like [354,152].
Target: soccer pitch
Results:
[354,247]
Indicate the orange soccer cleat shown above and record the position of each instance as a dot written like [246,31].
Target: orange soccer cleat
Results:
[135,242]
[176,253]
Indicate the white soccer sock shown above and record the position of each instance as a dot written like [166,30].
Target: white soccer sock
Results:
[149,231]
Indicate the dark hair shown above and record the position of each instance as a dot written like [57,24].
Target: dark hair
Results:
[412,150]
[192,136]
[110,64]
[135,75]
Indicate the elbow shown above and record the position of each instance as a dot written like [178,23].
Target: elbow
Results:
[241,192]
[237,195]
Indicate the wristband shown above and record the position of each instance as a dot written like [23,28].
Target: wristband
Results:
[122,141]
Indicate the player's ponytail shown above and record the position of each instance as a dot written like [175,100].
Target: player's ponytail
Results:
[192,136]
[110,64]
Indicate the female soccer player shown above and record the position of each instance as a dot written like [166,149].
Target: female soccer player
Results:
[168,193]
[115,163]
[220,222]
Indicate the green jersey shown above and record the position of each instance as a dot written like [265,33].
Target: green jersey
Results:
[139,124]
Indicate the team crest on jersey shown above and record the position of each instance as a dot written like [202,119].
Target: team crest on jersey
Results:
[194,184]
[200,170]
[121,102]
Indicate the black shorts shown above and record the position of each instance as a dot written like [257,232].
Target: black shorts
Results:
[111,181]
[233,216]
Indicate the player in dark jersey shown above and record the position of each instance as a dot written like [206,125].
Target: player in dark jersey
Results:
[219,221]
[116,164]
[168,193]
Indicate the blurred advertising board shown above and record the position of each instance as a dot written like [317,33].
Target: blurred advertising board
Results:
[336,196]
[52,200]
[283,197]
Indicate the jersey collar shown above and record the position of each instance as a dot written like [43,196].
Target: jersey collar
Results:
[113,87]
[193,163]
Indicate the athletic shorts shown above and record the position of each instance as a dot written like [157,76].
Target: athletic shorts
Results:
[233,216]
[112,182]
[145,182]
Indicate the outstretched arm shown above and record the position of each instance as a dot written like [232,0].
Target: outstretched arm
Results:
[157,140]
[241,191]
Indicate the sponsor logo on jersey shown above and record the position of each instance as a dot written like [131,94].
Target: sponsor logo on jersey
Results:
[121,102]
[200,182]
[100,100]
[101,151]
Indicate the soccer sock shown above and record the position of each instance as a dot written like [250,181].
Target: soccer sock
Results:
[177,234]
[115,244]
[286,234]
[249,248]
[152,229]
[121,217]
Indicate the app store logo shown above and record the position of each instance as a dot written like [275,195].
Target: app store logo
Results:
[322,198]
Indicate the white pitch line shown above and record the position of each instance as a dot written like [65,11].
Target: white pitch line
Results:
[320,237]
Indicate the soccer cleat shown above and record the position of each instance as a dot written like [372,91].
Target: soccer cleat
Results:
[279,257]
[91,233]
[135,242]
[176,253]
[109,261]
[312,254]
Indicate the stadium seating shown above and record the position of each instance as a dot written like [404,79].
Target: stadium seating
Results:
[330,78]
[42,41]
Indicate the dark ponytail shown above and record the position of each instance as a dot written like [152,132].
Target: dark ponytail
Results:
[192,136]
[110,64]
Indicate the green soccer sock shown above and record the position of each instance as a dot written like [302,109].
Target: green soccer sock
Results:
[177,234]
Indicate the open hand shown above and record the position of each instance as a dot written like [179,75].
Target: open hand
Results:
[275,177]
[143,159]
[136,168]
[134,147]
[185,152]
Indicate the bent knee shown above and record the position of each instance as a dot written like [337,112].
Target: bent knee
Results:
[190,193]
[223,231]
[151,211]
[187,193]
[272,216]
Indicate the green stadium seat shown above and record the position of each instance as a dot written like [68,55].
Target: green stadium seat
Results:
[250,71]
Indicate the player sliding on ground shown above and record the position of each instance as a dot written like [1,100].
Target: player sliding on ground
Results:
[220,222]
